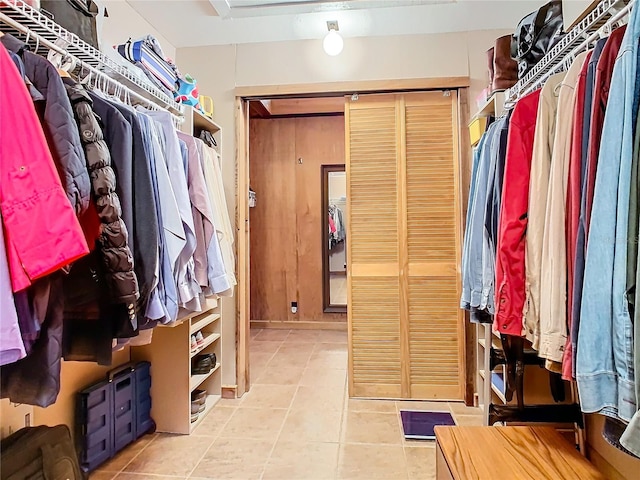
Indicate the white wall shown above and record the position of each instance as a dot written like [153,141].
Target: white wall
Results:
[219,69]
[124,22]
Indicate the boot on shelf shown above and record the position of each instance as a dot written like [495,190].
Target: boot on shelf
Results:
[490,55]
[505,68]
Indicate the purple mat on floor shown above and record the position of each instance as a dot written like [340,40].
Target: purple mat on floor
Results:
[420,425]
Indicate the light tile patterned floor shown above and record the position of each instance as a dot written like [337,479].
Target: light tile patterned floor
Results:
[296,423]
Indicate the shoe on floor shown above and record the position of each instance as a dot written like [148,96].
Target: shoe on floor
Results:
[194,417]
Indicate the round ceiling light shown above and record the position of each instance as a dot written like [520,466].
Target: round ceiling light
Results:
[333,43]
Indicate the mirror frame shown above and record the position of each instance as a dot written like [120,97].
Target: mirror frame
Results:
[326,287]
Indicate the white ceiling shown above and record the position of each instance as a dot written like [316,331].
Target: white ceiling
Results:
[188,23]
[257,8]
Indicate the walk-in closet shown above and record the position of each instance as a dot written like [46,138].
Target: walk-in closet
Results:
[266,240]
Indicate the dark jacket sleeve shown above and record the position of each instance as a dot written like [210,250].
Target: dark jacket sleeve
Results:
[145,224]
[61,130]
[116,256]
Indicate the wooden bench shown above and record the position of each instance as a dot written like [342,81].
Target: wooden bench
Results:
[508,453]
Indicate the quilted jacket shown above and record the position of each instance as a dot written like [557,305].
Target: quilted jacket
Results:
[116,256]
[59,125]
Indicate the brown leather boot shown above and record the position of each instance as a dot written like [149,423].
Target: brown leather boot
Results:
[490,55]
[505,68]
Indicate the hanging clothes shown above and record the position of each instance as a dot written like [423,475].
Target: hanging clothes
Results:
[213,177]
[173,238]
[587,173]
[574,186]
[553,271]
[38,242]
[11,345]
[188,289]
[604,369]
[538,189]
[145,220]
[59,125]
[510,258]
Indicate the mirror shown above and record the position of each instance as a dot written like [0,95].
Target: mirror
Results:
[334,191]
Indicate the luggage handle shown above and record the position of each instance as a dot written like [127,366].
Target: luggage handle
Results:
[111,374]
[88,9]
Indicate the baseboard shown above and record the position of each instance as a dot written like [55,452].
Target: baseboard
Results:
[287,325]
[230,392]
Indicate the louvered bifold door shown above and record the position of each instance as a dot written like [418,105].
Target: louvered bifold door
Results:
[435,324]
[405,327]
[372,153]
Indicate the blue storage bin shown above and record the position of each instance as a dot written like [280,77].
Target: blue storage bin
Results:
[113,413]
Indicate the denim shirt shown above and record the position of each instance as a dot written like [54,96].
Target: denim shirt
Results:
[604,369]
[474,293]
[465,300]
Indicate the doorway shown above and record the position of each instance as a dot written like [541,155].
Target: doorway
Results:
[294,230]
[242,103]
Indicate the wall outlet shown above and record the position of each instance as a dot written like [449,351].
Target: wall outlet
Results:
[14,417]
[294,307]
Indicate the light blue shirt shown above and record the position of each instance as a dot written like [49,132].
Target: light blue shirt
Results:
[188,289]
[475,294]
[172,226]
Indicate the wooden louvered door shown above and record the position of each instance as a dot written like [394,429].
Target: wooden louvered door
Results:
[405,327]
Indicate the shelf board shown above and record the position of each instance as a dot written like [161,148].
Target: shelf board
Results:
[203,322]
[481,373]
[203,122]
[489,107]
[209,403]
[210,303]
[196,380]
[208,340]
[494,344]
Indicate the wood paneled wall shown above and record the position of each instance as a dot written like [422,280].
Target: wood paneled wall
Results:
[285,159]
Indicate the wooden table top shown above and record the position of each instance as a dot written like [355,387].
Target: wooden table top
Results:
[512,453]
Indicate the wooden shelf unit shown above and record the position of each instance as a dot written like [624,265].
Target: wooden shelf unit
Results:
[195,122]
[171,359]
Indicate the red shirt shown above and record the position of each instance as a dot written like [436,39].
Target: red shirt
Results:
[573,205]
[604,70]
[510,255]
[41,229]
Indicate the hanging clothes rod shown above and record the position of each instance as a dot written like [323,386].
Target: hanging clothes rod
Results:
[21,17]
[95,77]
[606,14]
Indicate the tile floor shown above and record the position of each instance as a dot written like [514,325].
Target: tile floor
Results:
[296,423]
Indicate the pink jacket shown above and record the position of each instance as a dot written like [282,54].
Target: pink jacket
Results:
[41,230]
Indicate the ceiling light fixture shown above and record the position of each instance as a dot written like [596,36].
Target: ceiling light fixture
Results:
[333,42]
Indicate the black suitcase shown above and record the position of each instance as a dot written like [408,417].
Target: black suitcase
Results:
[39,453]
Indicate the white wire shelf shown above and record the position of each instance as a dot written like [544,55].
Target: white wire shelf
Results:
[575,41]
[16,15]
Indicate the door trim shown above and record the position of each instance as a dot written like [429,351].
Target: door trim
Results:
[337,88]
